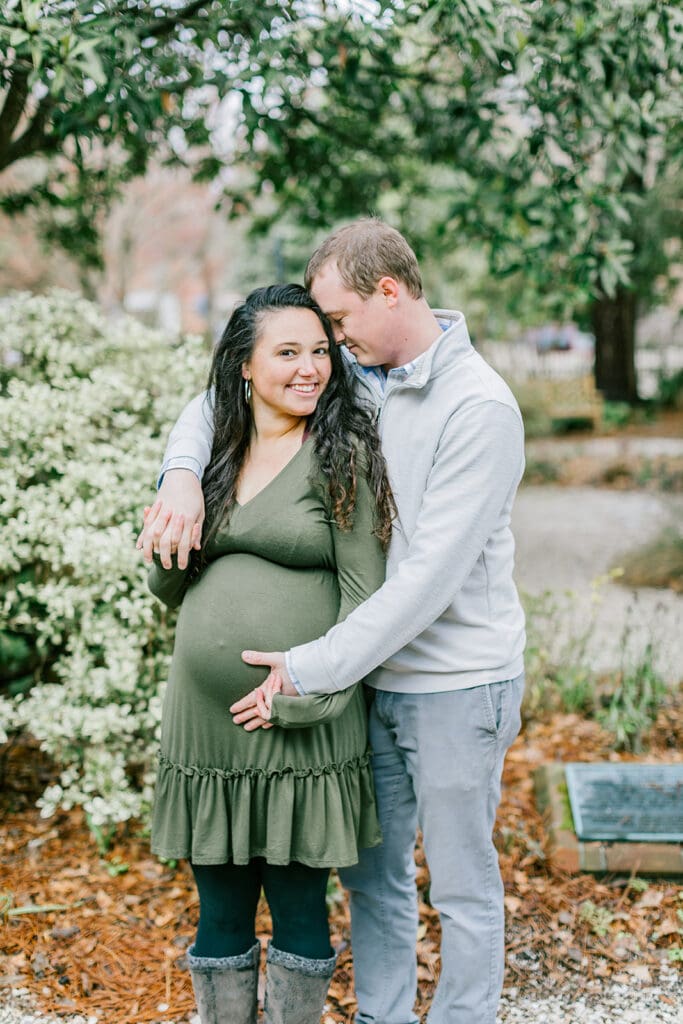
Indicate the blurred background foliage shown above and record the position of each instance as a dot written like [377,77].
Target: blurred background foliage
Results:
[532,149]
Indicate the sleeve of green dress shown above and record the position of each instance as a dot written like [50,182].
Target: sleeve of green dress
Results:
[360,571]
[169,585]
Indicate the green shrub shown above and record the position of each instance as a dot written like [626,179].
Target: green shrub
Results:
[534,406]
[670,390]
[85,406]
[616,414]
[633,706]
[658,564]
[541,471]
[558,671]
[560,676]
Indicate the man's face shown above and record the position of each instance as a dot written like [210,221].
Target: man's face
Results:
[363,325]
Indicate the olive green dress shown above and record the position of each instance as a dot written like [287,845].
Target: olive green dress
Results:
[281,573]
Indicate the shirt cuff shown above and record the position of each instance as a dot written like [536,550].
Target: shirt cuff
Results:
[292,675]
[180,462]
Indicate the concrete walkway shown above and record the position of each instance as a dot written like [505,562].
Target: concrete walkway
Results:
[567,538]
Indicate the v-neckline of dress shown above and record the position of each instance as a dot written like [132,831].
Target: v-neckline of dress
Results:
[273,480]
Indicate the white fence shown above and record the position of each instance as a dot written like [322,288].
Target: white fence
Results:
[521,361]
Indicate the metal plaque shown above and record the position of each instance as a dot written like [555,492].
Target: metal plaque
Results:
[627,802]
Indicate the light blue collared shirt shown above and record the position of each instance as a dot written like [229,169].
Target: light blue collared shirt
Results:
[377,377]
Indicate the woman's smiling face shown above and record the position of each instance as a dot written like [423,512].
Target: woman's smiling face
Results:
[290,365]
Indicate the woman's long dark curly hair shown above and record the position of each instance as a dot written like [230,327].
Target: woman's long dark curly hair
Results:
[339,426]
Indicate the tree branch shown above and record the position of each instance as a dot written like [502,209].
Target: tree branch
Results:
[164,26]
[12,108]
[34,140]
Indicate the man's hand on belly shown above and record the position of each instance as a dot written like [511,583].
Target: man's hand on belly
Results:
[253,711]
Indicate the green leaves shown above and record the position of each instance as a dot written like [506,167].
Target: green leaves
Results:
[104,84]
[31,11]
[537,129]
[18,36]
[613,268]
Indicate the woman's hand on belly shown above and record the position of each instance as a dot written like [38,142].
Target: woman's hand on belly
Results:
[254,710]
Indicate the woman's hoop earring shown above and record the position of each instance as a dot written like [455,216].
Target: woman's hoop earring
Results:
[247,390]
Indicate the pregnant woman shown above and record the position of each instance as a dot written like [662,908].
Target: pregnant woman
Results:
[298,513]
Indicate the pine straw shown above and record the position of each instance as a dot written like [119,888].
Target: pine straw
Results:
[117,950]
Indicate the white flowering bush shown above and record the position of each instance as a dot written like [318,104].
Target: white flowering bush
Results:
[85,407]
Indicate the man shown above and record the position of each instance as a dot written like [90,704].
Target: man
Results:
[440,644]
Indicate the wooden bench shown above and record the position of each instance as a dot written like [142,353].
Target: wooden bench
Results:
[572,398]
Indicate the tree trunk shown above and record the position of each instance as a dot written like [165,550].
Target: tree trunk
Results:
[614,326]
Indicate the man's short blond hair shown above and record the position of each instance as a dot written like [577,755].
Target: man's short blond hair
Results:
[365,251]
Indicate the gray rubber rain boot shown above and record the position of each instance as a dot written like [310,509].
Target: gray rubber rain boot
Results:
[295,987]
[225,987]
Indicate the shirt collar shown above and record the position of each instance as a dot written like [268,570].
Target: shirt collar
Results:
[377,377]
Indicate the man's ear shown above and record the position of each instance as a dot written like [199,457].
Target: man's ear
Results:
[389,288]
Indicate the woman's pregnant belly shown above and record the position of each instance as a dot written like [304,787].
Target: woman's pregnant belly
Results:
[245,602]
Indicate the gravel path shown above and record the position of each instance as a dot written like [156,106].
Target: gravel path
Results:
[660,1004]
[567,537]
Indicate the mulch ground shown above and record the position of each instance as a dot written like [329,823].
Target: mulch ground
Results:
[105,935]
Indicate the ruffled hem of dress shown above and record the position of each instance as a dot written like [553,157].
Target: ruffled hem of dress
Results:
[318,816]
[194,771]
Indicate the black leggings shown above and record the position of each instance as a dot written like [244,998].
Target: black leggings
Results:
[228,897]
